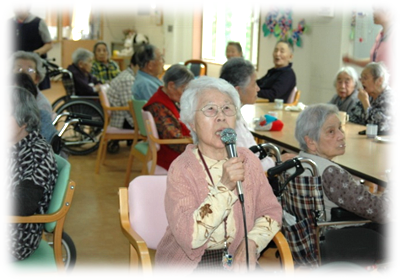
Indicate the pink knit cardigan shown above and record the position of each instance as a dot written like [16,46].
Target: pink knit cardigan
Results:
[187,189]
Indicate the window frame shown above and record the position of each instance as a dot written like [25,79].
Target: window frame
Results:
[254,36]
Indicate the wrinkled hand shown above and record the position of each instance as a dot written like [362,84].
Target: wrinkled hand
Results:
[232,171]
[97,87]
[239,260]
[363,97]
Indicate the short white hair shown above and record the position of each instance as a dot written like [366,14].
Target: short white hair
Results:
[351,72]
[191,95]
[379,70]
[81,54]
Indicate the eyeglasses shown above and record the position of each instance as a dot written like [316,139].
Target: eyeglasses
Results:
[28,70]
[211,110]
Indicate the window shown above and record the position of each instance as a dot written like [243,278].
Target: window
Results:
[74,23]
[223,24]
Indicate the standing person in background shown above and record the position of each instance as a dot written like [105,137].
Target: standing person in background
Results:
[233,49]
[151,65]
[31,34]
[280,80]
[120,92]
[103,68]
[381,50]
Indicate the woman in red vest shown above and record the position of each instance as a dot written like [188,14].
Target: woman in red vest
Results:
[165,107]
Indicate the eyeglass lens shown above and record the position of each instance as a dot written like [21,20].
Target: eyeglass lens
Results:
[212,110]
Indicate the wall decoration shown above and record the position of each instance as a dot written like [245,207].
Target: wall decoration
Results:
[279,23]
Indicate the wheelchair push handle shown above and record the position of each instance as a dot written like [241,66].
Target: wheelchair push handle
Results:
[297,162]
[294,162]
[264,149]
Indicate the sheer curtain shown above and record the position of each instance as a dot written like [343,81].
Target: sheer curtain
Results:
[80,22]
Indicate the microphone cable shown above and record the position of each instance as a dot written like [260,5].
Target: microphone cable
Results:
[245,231]
[228,137]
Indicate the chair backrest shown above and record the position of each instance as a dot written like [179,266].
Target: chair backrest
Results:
[105,103]
[197,66]
[64,170]
[152,129]
[292,95]
[68,82]
[303,198]
[146,207]
[137,107]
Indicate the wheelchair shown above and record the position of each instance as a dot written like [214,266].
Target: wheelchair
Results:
[79,137]
[315,242]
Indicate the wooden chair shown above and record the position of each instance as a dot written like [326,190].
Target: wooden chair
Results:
[294,97]
[155,142]
[144,225]
[51,256]
[110,132]
[140,149]
[197,66]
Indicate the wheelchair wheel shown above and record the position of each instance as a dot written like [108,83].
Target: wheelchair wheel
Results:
[80,138]
[68,251]
[339,269]
[59,101]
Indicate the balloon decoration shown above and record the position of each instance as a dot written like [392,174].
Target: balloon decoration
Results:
[279,23]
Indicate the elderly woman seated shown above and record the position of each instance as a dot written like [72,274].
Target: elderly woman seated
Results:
[375,99]
[31,64]
[346,84]
[103,68]
[32,173]
[321,138]
[242,75]
[164,106]
[84,82]
[47,129]
[205,222]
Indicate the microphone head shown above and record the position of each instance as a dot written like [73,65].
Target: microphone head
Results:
[228,136]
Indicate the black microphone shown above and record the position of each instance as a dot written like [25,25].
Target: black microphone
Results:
[228,137]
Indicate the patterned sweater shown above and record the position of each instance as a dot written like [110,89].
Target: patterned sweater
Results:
[187,189]
[33,174]
[379,112]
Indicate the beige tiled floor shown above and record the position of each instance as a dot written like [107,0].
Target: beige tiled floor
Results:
[93,221]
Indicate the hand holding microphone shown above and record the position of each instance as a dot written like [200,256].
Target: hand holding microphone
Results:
[228,137]
[233,171]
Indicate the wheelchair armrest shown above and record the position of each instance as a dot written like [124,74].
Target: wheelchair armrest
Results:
[340,214]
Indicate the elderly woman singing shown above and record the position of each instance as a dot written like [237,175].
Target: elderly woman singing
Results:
[206,229]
